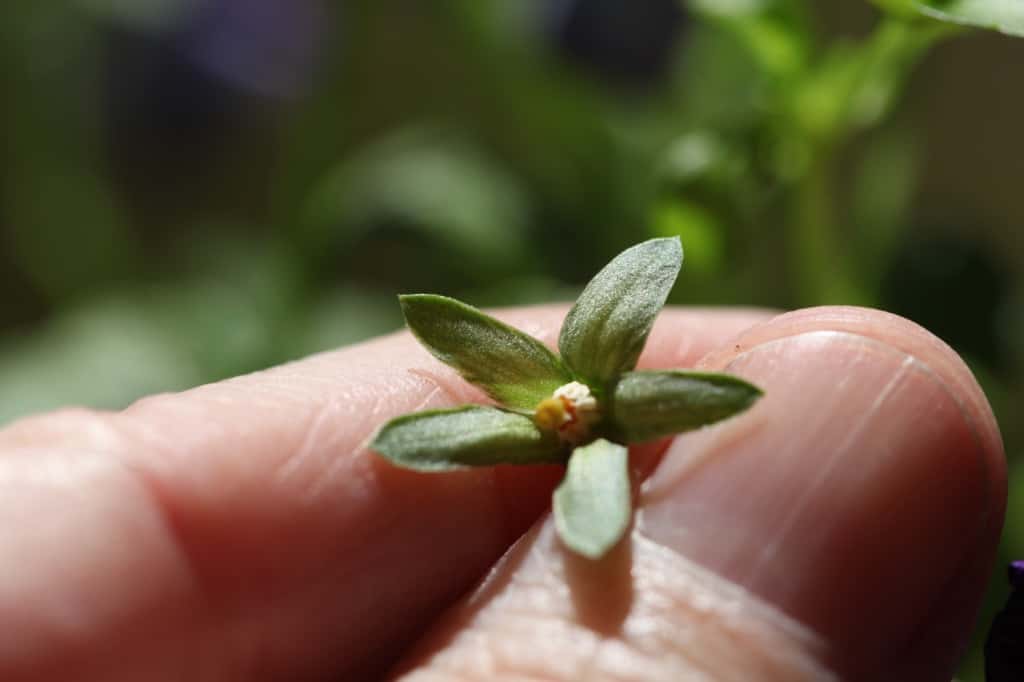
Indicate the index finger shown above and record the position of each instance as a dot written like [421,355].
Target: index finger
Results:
[242,526]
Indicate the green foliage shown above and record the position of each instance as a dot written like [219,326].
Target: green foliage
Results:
[1006,16]
[429,181]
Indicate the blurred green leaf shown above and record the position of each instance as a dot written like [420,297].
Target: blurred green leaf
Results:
[342,316]
[61,219]
[776,32]
[882,195]
[241,304]
[855,84]
[104,355]
[226,318]
[1005,16]
[697,228]
[429,181]
[722,85]
[693,156]
[524,290]
[67,230]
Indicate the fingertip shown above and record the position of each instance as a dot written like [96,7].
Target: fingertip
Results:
[857,495]
[898,332]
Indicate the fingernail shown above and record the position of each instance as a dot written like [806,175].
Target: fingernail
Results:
[847,496]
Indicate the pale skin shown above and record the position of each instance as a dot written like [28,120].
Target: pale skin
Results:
[843,528]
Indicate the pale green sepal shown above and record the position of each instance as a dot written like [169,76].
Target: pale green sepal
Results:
[511,366]
[651,404]
[606,329]
[593,504]
[440,440]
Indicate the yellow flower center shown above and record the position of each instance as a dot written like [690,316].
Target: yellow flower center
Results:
[569,412]
[550,414]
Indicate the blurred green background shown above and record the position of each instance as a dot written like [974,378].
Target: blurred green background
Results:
[192,189]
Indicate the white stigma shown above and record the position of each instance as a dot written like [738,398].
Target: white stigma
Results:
[579,395]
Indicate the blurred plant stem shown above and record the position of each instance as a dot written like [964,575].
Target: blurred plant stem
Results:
[823,276]
[850,91]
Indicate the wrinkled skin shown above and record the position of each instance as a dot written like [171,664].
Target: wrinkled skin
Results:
[843,528]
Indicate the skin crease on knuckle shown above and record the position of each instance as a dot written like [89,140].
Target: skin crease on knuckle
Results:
[87,556]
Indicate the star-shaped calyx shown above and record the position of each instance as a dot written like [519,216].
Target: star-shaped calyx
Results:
[581,406]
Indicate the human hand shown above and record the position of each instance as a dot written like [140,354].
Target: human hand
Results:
[844,526]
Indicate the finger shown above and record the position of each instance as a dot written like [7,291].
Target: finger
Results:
[241,531]
[841,529]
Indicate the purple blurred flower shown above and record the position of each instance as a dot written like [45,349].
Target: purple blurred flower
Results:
[1016,573]
[175,90]
[268,47]
[624,43]
[1004,648]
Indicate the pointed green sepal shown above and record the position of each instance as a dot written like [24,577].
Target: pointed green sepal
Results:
[649,405]
[606,329]
[593,504]
[440,440]
[511,366]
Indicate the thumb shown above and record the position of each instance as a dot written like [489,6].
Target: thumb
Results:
[842,529]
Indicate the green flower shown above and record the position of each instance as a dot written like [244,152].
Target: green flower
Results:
[580,408]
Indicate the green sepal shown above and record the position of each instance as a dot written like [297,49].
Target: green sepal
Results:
[593,504]
[514,368]
[606,329]
[653,404]
[473,435]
